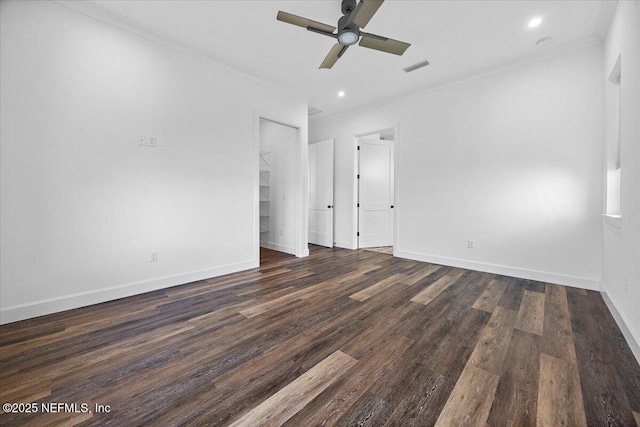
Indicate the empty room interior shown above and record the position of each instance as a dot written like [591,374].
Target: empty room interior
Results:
[315,213]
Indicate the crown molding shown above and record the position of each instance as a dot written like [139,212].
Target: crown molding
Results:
[548,53]
[99,13]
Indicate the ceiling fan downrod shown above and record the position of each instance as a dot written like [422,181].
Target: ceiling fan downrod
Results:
[348,6]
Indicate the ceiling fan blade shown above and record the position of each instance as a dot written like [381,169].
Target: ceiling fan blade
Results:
[334,54]
[365,11]
[383,44]
[304,22]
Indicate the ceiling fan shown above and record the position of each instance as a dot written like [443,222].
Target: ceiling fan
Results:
[355,16]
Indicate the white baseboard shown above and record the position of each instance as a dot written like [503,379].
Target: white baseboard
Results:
[541,276]
[629,333]
[83,299]
[280,248]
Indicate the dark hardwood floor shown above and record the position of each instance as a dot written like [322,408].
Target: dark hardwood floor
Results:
[350,338]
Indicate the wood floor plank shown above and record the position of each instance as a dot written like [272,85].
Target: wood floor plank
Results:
[187,356]
[337,399]
[11,351]
[372,290]
[636,416]
[29,392]
[275,303]
[60,419]
[516,399]
[241,392]
[371,338]
[531,313]
[464,292]
[609,374]
[224,282]
[270,284]
[578,291]
[558,334]
[437,358]
[491,350]
[437,287]
[311,291]
[426,393]
[559,396]
[613,406]
[277,409]
[512,296]
[9,339]
[534,286]
[449,354]
[421,274]
[490,297]
[246,384]
[470,400]
[84,352]
[369,411]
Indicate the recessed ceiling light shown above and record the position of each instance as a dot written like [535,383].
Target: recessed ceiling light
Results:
[341,94]
[535,22]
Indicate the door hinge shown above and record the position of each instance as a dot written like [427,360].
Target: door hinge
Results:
[358,148]
[358,234]
[358,205]
[358,176]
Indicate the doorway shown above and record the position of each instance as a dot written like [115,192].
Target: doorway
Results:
[281,187]
[376,191]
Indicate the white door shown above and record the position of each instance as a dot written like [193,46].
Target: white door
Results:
[375,193]
[321,193]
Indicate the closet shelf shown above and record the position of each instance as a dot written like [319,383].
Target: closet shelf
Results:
[265,175]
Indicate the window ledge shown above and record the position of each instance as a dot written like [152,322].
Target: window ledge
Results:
[613,220]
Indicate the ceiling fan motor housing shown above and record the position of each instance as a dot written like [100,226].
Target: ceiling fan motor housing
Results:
[342,24]
[347,35]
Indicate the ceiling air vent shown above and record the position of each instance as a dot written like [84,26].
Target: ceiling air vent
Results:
[313,111]
[618,78]
[415,66]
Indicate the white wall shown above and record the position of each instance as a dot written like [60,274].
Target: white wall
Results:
[622,245]
[82,205]
[512,160]
[281,142]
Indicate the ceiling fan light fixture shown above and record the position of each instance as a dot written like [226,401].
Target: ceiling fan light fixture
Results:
[355,15]
[348,37]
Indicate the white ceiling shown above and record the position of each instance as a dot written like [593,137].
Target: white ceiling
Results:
[461,39]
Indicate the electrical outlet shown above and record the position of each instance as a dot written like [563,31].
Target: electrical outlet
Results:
[142,140]
[152,141]
[154,257]
[471,244]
